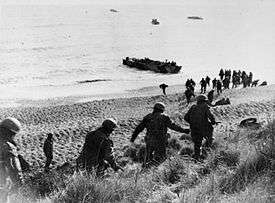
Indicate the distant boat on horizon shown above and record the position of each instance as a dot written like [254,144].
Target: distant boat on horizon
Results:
[195,18]
[113,10]
[155,21]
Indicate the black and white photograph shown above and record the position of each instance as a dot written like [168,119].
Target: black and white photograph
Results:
[137,101]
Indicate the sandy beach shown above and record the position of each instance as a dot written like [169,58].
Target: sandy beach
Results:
[72,120]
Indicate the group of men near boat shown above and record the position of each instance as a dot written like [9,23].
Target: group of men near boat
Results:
[225,78]
[97,151]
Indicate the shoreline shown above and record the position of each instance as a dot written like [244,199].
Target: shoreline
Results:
[69,100]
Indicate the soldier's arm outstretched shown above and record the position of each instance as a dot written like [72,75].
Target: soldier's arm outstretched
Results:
[138,130]
[210,116]
[176,127]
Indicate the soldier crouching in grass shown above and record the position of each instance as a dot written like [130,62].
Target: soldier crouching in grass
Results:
[156,139]
[201,120]
[9,163]
[97,151]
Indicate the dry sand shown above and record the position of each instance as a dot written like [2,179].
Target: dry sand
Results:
[71,121]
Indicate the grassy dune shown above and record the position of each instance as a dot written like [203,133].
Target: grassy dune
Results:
[239,169]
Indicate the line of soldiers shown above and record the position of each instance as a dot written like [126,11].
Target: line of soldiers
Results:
[190,90]
[238,77]
[97,151]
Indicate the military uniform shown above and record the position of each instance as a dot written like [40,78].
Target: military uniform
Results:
[48,151]
[156,139]
[188,94]
[97,150]
[198,117]
[9,163]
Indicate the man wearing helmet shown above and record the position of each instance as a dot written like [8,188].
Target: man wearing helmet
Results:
[156,124]
[9,162]
[201,120]
[97,150]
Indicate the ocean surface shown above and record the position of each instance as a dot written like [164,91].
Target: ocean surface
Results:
[46,50]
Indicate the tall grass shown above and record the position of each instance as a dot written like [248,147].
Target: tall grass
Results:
[222,177]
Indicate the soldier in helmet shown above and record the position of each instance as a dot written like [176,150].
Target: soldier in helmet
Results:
[48,150]
[97,150]
[201,120]
[163,86]
[9,162]
[156,124]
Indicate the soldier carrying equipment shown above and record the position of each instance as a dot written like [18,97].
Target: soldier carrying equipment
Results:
[97,150]
[9,162]
[156,124]
[198,117]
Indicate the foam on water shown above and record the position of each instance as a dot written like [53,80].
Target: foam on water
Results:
[45,50]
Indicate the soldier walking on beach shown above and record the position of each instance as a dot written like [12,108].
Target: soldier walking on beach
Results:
[214,83]
[201,120]
[226,82]
[97,151]
[188,94]
[203,85]
[192,83]
[250,78]
[156,138]
[221,74]
[210,97]
[219,87]
[207,80]
[48,150]
[9,162]
[163,86]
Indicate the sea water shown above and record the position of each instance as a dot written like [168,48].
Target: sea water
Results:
[46,50]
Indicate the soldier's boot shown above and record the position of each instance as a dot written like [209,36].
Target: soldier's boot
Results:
[160,154]
[148,158]
[48,163]
[197,150]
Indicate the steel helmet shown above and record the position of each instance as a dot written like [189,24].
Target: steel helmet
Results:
[159,106]
[109,123]
[201,98]
[11,124]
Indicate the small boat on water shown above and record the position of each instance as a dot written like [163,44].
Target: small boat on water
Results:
[152,65]
[195,18]
[155,21]
[113,10]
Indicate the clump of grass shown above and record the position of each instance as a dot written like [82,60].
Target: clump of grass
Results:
[244,175]
[40,185]
[257,164]
[257,192]
[170,171]
[228,179]
[82,187]
[225,157]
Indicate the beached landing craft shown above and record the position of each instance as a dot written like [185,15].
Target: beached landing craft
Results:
[148,64]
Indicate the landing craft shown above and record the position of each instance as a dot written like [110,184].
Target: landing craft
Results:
[155,21]
[152,65]
[195,18]
[113,10]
